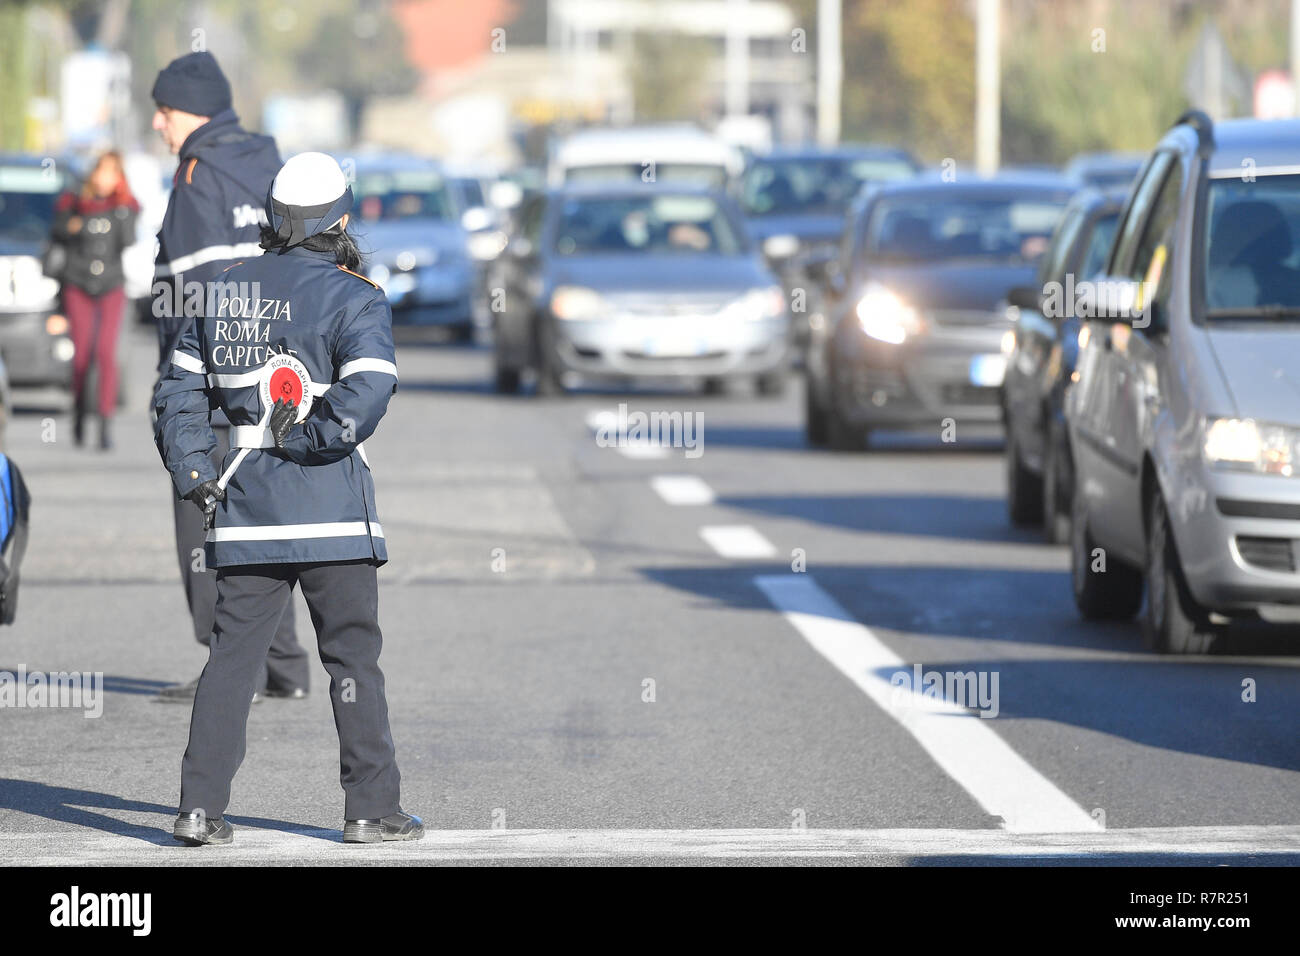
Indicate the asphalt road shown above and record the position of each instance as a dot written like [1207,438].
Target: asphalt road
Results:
[587,662]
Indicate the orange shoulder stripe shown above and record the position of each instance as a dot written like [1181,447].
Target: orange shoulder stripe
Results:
[190,171]
[359,276]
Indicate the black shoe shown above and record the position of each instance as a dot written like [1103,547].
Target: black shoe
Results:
[178,693]
[287,693]
[194,829]
[397,826]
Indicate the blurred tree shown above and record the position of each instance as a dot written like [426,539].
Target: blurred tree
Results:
[666,72]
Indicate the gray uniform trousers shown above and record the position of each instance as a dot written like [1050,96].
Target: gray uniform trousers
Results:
[286,665]
[343,599]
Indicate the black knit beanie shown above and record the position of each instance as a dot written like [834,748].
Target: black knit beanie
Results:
[193,83]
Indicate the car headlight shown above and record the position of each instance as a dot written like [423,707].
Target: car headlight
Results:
[576,302]
[484,246]
[23,285]
[887,318]
[1246,445]
[757,304]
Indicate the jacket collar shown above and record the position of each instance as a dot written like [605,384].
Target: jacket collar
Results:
[223,122]
[305,253]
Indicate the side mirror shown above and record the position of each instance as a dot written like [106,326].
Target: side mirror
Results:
[1113,300]
[1024,297]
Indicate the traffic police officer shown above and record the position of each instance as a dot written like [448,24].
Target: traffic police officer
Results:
[214,217]
[294,502]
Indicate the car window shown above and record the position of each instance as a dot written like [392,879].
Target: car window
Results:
[1150,263]
[1143,197]
[914,229]
[403,194]
[530,220]
[27,195]
[1098,245]
[813,185]
[661,224]
[1054,262]
[1251,256]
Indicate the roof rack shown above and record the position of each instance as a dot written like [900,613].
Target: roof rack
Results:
[1204,126]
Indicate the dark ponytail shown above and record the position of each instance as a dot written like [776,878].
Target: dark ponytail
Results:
[337,241]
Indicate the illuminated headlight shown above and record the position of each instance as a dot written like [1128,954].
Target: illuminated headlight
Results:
[576,302]
[1246,445]
[1008,341]
[886,317]
[484,246]
[23,285]
[758,304]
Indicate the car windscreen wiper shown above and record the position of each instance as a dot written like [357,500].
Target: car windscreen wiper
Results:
[1255,312]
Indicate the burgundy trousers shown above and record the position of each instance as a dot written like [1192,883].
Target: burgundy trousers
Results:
[82,309]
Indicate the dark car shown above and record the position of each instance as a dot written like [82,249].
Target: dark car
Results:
[915,327]
[1042,362]
[1105,170]
[795,200]
[34,339]
[638,281]
[409,224]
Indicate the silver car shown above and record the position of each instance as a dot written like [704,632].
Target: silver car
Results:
[1184,421]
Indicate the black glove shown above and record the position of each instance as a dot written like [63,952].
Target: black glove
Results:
[283,416]
[200,495]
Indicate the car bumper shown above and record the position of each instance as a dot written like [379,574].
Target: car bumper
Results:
[665,347]
[1238,538]
[921,381]
[32,356]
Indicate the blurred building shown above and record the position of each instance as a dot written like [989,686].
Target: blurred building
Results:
[494,67]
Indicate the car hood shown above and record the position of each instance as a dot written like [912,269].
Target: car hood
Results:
[1261,368]
[11,246]
[978,286]
[663,274]
[384,239]
[809,228]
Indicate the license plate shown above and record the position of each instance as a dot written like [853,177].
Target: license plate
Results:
[666,346]
[988,370]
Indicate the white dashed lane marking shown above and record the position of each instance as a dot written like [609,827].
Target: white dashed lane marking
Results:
[737,541]
[682,490]
[958,740]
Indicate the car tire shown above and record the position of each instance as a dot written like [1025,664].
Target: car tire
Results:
[841,434]
[1024,488]
[771,384]
[507,381]
[1173,622]
[714,386]
[1113,593]
[1057,482]
[814,415]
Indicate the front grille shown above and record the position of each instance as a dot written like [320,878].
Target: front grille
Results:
[958,393]
[1273,554]
[701,357]
[967,317]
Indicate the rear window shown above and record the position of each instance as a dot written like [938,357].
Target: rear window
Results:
[682,225]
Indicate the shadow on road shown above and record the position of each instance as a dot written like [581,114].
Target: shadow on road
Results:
[78,807]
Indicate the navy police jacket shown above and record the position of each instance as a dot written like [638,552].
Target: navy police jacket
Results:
[313,500]
[214,215]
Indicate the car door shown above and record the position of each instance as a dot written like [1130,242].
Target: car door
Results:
[1105,474]
[1025,386]
[1136,355]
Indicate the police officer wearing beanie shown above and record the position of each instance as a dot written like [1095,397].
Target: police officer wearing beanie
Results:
[214,217]
[305,374]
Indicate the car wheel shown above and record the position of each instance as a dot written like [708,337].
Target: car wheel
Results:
[1174,623]
[1112,591]
[1056,489]
[841,434]
[714,386]
[507,381]
[814,415]
[771,383]
[1024,488]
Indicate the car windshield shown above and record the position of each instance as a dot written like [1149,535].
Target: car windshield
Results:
[910,229]
[813,185]
[403,194]
[27,195]
[704,175]
[684,225]
[1251,255]
[471,192]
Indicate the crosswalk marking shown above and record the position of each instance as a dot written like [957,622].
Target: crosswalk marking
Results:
[962,744]
[737,541]
[682,490]
[257,846]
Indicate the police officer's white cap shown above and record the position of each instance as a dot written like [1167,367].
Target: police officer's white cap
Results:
[308,195]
